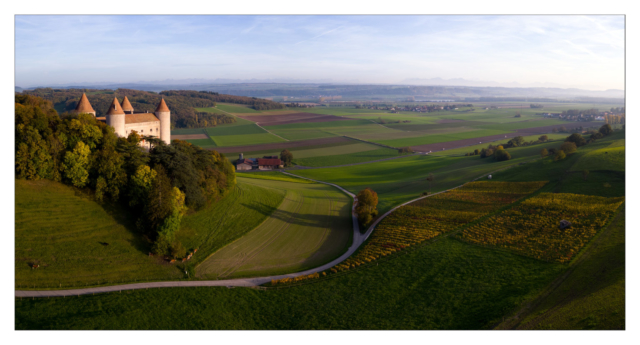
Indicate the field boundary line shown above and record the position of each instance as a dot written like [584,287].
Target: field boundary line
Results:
[268,131]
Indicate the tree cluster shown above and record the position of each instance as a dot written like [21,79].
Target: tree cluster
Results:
[158,185]
[536,106]
[366,208]
[286,157]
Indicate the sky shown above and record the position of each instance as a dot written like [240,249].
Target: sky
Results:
[551,51]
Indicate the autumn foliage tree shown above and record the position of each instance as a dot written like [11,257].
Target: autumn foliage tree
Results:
[366,208]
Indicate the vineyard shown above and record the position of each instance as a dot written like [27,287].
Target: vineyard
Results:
[532,228]
[432,216]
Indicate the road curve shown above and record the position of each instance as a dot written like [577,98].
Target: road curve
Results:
[358,239]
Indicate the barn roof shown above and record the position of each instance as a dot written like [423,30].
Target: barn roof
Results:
[115,108]
[162,107]
[84,106]
[140,118]
[269,161]
[126,105]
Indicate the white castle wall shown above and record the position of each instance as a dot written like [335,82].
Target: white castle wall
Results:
[117,122]
[144,128]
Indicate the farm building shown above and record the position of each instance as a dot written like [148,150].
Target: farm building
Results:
[269,163]
[265,163]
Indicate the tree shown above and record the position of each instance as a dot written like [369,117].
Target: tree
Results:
[502,155]
[555,130]
[544,152]
[568,147]
[576,139]
[585,173]
[605,129]
[484,153]
[405,149]
[366,208]
[76,165]
[140,185]
[543,138]
[286,157]
[430,178]
[559,155]
[476,152]
[517,141]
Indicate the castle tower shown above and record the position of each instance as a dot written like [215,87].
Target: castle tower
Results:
[164,115]
[126,106]
[115,118]
[84,106]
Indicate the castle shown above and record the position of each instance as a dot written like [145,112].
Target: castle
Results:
[124,120]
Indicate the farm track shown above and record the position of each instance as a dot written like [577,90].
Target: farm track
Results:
[358,240]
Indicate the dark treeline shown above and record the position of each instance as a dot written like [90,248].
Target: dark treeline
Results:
[575,112]
[159,185]
[181,103]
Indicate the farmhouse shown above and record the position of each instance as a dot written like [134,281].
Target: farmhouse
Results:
[265,163]
[123,119]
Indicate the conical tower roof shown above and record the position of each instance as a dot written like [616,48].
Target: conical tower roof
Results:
[84,106]
[126,106]
[162,107]
[115,108]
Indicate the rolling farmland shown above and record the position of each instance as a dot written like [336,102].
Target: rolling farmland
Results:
[310,227]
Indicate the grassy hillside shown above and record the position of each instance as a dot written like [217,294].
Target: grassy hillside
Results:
[446,285]
[76,241]
[608,158]
[310,227]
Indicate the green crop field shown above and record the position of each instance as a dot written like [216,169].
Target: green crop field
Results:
[235,130]
[302,134]
[246,139]
[349,158]
[432,139]
[310,227]
[234,108]
[608,158]
[272,175]
[328,124]
[403,179]
[76,241]
[556,139]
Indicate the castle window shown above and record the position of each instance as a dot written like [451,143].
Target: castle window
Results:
[142,131]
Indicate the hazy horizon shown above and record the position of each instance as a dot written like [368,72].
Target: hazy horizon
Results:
[585,52]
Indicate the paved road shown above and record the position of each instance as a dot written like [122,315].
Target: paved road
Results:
[358,239]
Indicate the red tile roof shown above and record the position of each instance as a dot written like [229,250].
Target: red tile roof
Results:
[115,108]
[126,105]
[162,107]
[139,118]
[84,106]
[269,161]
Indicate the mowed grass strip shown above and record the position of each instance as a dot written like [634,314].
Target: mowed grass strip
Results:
[303,134]
[310,227]
[242,210]
[272,175]
[77,242]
